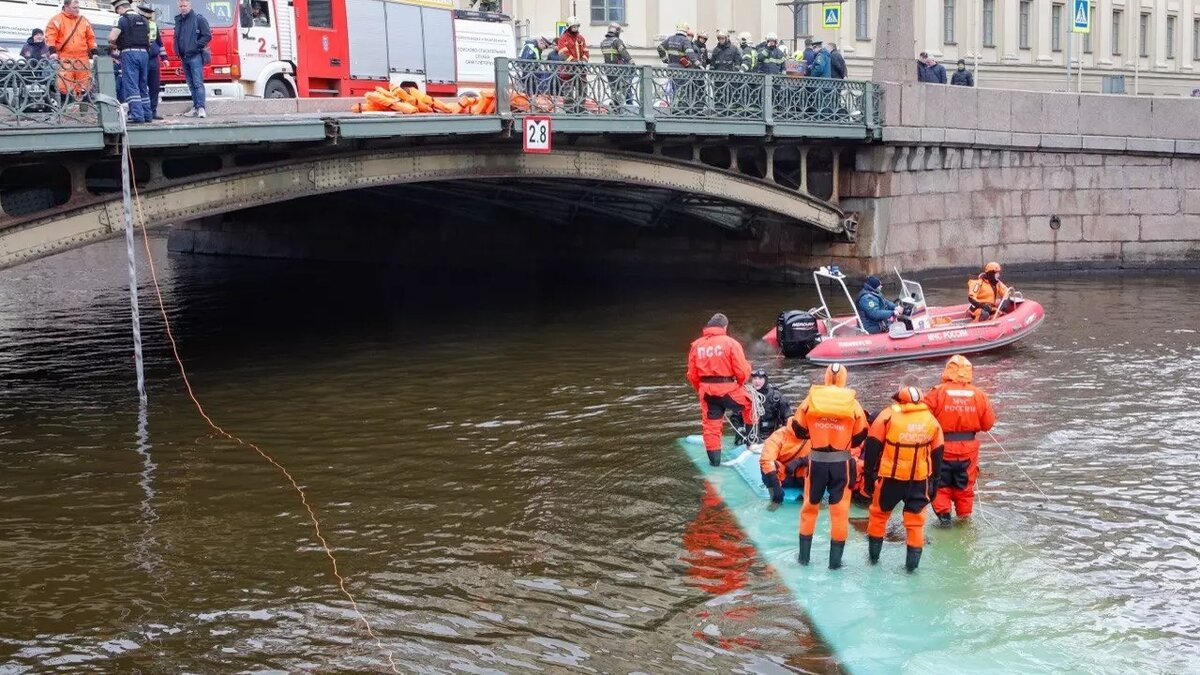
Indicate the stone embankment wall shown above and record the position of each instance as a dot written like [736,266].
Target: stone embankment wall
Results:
[971,175]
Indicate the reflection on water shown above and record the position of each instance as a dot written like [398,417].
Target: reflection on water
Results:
[497,471]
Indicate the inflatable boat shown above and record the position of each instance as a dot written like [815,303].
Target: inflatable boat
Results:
[921,332]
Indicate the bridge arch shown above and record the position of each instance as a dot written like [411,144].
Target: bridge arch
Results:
[721,197]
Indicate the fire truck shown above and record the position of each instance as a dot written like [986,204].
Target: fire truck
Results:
[318,48]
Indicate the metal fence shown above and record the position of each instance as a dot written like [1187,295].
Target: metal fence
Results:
[40,93]
[652,92]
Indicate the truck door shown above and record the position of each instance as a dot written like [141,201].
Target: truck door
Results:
[322,49]
[258,44]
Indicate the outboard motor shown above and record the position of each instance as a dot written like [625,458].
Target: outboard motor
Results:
[797,333]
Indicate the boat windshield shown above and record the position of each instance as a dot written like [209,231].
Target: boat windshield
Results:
[219,13]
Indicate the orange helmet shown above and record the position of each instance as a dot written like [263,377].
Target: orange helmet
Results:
[908,393]
[992,267]
[836,374]
[958,369]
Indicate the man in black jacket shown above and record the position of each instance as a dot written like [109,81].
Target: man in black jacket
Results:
[962,77]
[837,63]
[192,35]
[777,410]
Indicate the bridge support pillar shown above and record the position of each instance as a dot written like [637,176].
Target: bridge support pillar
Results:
[804,170]
[837,173]
[78,172]
[733,157]
[769,173]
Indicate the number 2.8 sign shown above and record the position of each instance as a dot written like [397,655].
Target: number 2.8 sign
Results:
[538,134]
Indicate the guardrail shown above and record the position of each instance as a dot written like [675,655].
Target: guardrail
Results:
[653,92]
[41,93]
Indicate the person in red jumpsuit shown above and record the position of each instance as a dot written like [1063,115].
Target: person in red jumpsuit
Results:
[963,410]
[718,370]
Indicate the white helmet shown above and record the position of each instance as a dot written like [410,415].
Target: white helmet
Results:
[771,36]
[682,26]
[572,21]
[744,36]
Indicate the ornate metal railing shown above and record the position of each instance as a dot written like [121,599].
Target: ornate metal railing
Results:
[653,92]
[47,93]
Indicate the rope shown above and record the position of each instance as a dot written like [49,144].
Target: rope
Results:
[1017,464]
[758,406]
[312,515]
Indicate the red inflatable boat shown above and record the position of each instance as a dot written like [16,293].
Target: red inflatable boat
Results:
[922,332]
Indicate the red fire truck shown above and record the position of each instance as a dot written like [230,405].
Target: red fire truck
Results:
[314,48]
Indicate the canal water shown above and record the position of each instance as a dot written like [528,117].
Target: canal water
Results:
[494,462]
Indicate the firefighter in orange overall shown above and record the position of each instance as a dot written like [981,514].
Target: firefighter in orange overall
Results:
[783,460]
[962,410]
[903,457]
[988,295]
[833,422]
[718,370]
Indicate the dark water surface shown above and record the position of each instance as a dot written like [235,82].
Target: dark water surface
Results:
[495,466]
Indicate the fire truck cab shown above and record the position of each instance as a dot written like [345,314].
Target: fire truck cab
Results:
[315,48]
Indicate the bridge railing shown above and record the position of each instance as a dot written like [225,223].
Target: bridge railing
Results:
[654,92]
[41,93]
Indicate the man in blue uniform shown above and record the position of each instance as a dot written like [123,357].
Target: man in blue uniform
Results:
[875,311]
[131,36]
[156,54]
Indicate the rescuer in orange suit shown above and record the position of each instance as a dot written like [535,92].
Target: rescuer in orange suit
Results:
[987,294]
[73,41]
[833,422]
[783,460]
[903,459]
[718,370]
[962,410]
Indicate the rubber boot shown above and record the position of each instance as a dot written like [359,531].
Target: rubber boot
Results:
[835,554]
[714,457]
[874,547]
[913,559]
[805,549]
[944,520]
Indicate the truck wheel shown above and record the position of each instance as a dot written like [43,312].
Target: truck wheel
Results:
[277,88]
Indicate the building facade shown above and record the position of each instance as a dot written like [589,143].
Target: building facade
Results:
[1023,44]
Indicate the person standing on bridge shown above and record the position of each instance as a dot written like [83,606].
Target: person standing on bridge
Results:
[72,39]
[833,422]
[903,458]
[726,57]
[770,57]
[718,370]
[749,53]
[192,35]
[572,46]
[963,410]
[158,59]
[678,51]
[131,36]
[620,83]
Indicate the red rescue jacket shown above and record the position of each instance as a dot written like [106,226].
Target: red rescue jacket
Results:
[716,363]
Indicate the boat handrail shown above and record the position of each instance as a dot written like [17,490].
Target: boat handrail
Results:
[835,275]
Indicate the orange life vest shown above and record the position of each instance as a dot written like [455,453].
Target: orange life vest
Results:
[908,446]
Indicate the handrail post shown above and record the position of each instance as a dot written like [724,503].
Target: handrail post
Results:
[869,107]
[108,116]
[768,99]
[647,95]
[503,102]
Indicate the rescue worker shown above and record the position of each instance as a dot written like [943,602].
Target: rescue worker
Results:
[770,57]
[572,46]
[725,57]
[616,53]
[833,422]
[776,408]
[678,51]
[718,370]
[820,66]
[988,295]
[71,37]
[131,36]
[533,77]
[875,311]
[962,410]
[700,45]
[749,53]
[158,59]
[903,457]
[782,462]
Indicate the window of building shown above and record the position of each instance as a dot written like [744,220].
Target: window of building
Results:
[1170,37]
[1056,27]
[608,11]
[320,13]
[1196,40]
[989,23]
[948,22]
[862,25]
[1144,35]
[1023,25]
[1116,32]
[1087,37]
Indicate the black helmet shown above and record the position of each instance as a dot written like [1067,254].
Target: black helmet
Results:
[759,372]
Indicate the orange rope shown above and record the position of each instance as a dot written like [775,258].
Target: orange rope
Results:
[312,515]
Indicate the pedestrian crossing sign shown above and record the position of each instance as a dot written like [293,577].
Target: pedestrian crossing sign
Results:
[1082,16]
[560,27]
[832,16]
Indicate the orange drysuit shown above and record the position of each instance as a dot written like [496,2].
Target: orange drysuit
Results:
[782,461]
[986,295]
[73,39]
[962,410]
[903,457]
[833,422]
[718,370]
